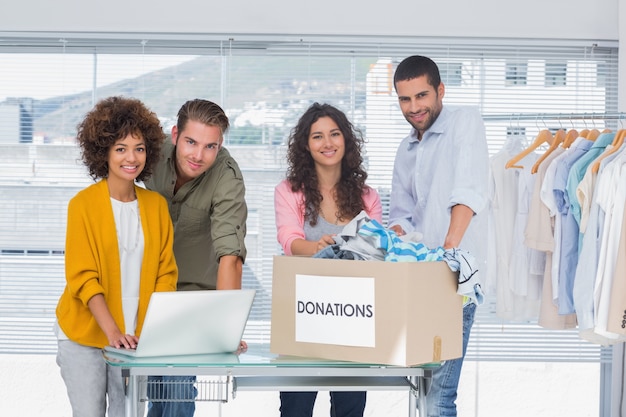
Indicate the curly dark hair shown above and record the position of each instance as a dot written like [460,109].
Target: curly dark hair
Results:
[112,119]
[301,173]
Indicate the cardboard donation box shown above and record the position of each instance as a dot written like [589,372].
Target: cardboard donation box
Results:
[392,313]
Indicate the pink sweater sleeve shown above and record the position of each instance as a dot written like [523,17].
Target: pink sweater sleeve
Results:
[289,210]
[373,206]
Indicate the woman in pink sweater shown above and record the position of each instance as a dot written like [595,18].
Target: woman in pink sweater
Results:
[324,190]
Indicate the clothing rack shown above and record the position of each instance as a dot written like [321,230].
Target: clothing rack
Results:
[553,116]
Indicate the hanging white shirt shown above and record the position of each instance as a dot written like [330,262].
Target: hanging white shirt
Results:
[612,200]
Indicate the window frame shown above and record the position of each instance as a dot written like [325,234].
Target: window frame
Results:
[473,58]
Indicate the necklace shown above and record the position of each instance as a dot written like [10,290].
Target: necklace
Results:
[128,225]
[336,222]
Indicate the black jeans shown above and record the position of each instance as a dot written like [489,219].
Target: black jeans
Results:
[342,403]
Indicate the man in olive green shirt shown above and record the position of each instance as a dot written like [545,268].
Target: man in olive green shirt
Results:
[204,189]
[205,193]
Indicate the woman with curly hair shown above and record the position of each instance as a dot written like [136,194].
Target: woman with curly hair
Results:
[118,251]
[324,190]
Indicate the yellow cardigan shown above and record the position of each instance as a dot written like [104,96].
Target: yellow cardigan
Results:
[92,261]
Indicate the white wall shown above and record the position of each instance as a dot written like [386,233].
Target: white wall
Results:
[536,19]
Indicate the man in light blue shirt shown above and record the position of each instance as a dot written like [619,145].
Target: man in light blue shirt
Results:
[439,189]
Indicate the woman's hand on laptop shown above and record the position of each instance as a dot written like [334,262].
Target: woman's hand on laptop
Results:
[98,307]
[126,341]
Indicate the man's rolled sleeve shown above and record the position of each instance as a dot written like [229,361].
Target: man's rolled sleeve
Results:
[468,197]
[228,218]
[471,173]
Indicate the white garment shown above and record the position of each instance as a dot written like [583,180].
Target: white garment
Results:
[527,265]
[612,200]
[510,269]
[587,267]
[547,197]
[130,240]
[584,191]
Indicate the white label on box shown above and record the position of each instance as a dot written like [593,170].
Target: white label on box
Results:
[335,310]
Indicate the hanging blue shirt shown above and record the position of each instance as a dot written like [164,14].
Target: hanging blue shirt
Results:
[568,256]
[578,169]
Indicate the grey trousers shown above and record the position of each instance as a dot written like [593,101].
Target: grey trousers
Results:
[94,388]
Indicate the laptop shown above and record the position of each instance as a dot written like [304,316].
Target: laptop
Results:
[192,323]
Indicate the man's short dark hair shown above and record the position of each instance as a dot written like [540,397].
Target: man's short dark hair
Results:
[416,66]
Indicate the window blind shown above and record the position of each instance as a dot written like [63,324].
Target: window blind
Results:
[264,86]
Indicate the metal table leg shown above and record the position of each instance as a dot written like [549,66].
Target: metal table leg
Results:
[417,396]
[421,388]
[131,389]
[413,395]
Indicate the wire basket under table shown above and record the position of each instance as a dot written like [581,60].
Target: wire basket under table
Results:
[156,390]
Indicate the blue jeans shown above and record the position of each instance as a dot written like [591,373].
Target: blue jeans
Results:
[179,388]
[342,403]
[441,395]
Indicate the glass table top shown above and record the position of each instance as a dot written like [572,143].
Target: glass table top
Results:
[257,355]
